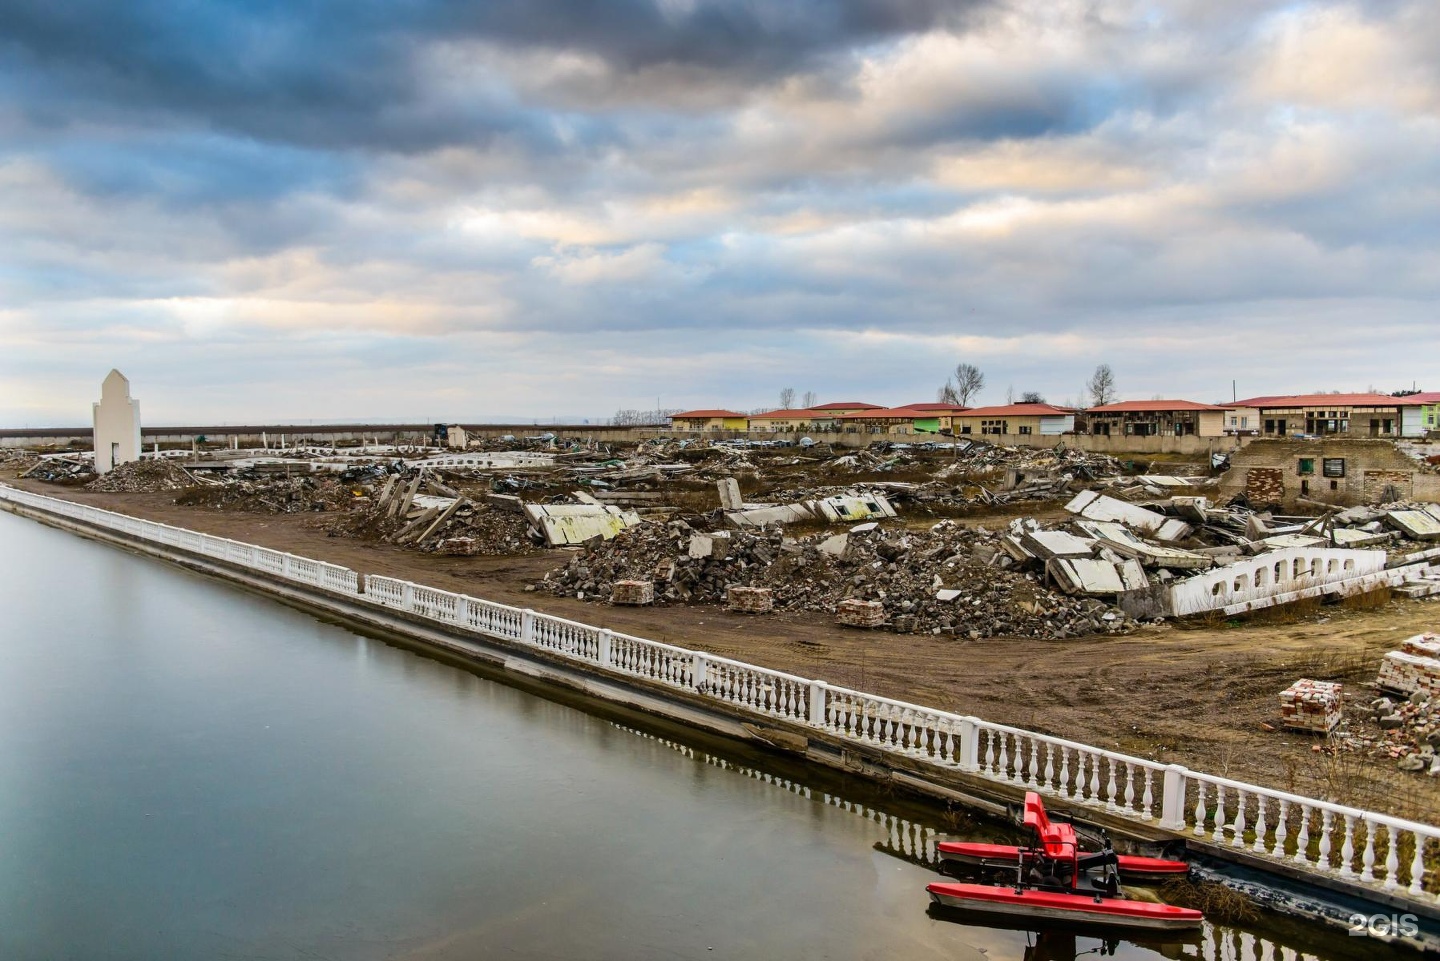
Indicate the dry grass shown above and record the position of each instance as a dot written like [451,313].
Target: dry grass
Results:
[1218,902]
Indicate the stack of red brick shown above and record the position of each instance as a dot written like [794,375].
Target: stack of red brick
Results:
[633,592]
[1310,705]
[1415,667]
[751,600]
[855,613]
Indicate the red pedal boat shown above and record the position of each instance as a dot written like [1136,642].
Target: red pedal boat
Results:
[1042,905]
[1055,882]
[1132,868]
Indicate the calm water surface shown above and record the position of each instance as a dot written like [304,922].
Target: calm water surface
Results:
[190,771]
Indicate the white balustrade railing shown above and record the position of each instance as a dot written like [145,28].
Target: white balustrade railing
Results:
[1367,848]
[1318,836]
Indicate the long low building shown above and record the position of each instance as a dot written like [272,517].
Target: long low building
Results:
[1014,420]
[1154,418]
[1324,415]
[713,419]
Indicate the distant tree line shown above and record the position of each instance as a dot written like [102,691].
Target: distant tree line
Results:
[643,418]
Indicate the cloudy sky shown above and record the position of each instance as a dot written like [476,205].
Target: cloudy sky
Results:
[354,209]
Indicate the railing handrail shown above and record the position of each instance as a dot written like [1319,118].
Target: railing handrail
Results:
[1175,812]
[1343,810]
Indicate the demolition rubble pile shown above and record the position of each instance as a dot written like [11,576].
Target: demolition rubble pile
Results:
[421,512]
[947,580]
[59,470]
[17,460]
[1027,579]
[143,477]
[281,495]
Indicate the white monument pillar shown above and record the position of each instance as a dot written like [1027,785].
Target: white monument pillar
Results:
[117,424]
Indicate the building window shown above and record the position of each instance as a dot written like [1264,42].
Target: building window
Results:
[1333,466]
[1234,420]
[1245,422]
[1307,466]
[965,429]
[1025,429]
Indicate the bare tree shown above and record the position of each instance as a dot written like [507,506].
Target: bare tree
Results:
[1032,397]
[962,386]
[641,418]
[1101,386]
[809,399]
[787,398]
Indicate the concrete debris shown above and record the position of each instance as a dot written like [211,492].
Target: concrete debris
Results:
[1099,507]
[774,514]
[1418,525]
[1076,575]
[730,494]
[143,477]
[950,580]
[562,524]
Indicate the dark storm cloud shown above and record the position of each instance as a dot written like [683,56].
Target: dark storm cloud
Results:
[350,72]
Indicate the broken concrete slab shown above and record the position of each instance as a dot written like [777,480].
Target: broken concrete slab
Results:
[854,507]
[1281,541]
[713,545]
[1350,537]
[1419,525]
[1099,507]
[730,494]
[562,524]
[1124,542]
[1079,575]
[1051,544]
[772,514]
[1277,577]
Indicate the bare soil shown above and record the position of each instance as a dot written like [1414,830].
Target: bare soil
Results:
[1195,693]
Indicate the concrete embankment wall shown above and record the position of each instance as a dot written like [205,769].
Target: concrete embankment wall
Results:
[946,758]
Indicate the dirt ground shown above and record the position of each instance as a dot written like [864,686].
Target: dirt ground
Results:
[1195,693]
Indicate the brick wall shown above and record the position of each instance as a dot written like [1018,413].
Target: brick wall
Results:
[1378,481]
[1264,485]
[1369,467]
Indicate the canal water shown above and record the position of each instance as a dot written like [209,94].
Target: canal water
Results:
[191,771]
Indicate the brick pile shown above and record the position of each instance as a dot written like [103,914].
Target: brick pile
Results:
[1312,706]
[751,600]
[633,592]
[857,613]
[1415,667]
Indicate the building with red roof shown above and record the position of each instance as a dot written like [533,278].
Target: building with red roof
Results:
[709,419]
[1014,420]
[1320,415]
[845,407]
[799,418]
[1154,418]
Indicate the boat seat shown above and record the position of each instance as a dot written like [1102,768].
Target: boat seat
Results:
[1057,840]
